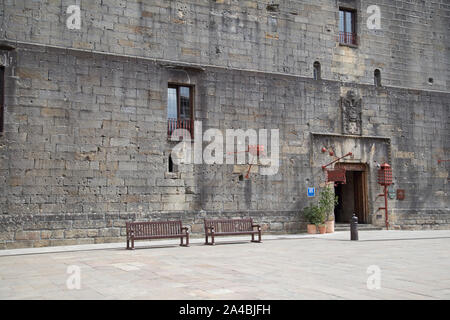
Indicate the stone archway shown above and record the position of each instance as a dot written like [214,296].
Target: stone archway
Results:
[361,168]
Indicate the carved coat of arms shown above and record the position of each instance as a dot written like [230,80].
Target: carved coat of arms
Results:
[351,106]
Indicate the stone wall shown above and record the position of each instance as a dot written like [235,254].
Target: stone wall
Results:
[85,146]
[411,46]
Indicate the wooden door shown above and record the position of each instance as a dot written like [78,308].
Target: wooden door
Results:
[359,173]
[360,186]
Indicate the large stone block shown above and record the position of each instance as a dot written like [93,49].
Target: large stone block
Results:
[75,233]
[27,235]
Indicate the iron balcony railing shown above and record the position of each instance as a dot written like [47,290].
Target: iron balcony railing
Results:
[347,38]
[187,124]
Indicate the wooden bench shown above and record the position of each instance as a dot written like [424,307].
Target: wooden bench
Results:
[231,227]
[156,230]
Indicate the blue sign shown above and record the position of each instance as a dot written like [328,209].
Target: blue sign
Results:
[311,192]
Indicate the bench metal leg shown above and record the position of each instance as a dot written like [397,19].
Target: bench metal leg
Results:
[259,237]
[132,243]
[207,239]
[212,243]
[187,240]
[128,244]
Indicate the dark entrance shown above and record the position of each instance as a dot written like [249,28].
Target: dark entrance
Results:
[352,196]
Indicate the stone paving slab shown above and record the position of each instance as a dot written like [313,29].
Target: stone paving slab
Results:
[412,265]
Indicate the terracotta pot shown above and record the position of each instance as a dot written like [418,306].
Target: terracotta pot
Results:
[330,226]
[322,229]
[312,229]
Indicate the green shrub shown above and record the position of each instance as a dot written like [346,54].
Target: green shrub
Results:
[327,201]
[318,214]
[314,215]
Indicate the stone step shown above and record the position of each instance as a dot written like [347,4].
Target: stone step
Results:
[361,227]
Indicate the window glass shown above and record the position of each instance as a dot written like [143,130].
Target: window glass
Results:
[172,103]
[185,99]
[348,21]
[341,21]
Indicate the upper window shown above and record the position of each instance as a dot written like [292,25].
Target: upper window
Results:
[180,108]
[347,26]
[2,97]
[317,71]
[377,77]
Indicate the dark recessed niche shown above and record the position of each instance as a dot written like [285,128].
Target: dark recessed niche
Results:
[430,80]
[241,177]
[170,169]
[273,7]
[377,77]
[6,47]
[317,72]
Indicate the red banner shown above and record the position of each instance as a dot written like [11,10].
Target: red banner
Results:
[336,175]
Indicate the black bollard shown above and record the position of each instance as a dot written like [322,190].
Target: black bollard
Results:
[354,228]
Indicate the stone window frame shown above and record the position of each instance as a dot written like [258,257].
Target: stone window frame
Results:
[190,124]
[353,43]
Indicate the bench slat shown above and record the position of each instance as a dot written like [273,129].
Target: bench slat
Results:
[156,230]
[228,227]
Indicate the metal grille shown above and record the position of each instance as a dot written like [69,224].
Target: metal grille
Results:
[173,124]
[347,38]
[385,175]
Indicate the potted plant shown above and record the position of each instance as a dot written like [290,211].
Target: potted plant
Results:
[327,201]
[321,217]
[322,228]
[314,216]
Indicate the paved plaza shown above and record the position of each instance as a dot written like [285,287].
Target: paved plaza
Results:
[382,265]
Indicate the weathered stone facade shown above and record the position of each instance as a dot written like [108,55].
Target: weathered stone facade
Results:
[85,146]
